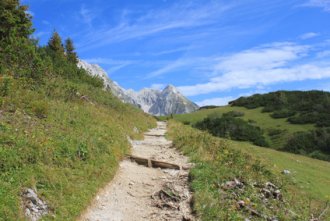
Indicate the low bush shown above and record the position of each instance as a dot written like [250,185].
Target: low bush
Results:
[314,143]
[284,113]
[301,107]
[40,108]
[233,128]
[233,114]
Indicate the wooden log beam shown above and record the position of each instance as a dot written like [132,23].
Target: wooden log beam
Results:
[154,163]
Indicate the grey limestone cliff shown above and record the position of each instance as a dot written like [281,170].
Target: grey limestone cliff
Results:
[155,102]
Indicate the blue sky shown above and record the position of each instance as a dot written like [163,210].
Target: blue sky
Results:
[212,50]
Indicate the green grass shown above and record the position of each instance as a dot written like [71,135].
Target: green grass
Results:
[63,146]
[263,120]
[311,175]
[218,160]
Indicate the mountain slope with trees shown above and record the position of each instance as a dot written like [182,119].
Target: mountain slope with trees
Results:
[292,121]
[298,107]
[61,133]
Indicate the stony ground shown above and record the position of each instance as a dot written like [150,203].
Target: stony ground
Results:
[142,193]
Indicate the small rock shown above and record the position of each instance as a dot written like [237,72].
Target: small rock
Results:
[277,194]
[270,185]
[267,193]
[34,207]
[241,204]
[232,184]
[286,172]
[27,212]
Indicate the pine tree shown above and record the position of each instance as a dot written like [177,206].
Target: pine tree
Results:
[55,44]
[70,51]
[15,22]
[15,29]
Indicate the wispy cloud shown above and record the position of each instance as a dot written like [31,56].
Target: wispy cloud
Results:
[325,4]
[39,34]
[108,61]
[323,54]
[87,15]
[168,68]
[171,51]
[265,65]
[309,35]
[116,65]
[179,16]
[30,13]
[158,86]
[219,101]
[202,64]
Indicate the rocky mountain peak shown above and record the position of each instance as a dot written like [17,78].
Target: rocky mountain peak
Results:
[170,89]
[155,102]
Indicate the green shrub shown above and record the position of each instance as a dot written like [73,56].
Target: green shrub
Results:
[40,108]
[301,107]
[233,114]
[283,113]
[5,85]
[82,151]
[233,128]
[314,143]
[274,132]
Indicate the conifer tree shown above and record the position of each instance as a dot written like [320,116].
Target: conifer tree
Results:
[70,51]
[55,44]
[15,22]
[16,49]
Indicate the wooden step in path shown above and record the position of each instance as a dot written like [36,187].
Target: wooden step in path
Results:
[140,190]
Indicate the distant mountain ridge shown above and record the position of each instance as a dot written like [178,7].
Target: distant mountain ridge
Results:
[155,102]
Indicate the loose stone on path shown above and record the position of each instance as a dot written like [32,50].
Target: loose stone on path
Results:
[141,193]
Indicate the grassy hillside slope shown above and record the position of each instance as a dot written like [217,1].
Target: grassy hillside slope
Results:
[312,176]
[63,139]
[218,161]
[261,119]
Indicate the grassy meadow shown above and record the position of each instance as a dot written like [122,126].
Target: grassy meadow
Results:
[306,190]
[263,120]
[64,140]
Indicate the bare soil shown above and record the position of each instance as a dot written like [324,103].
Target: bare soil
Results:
[142,193]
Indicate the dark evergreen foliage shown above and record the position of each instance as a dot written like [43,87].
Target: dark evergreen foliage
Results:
[70,51]
[300,107]
[233,128]
[208,107]
[55,44]
[314,143]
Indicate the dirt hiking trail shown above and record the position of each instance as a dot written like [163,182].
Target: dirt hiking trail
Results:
[139,192]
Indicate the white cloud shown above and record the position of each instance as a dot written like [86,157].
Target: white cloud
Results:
[30,13]
[171,51]
[325,4]
[323,54]
[179,16]
[87,15]
[39,34]
[45,22]
[158,86]
[115,64]
[262,66]
[108,61]
[309,35]
[202,64]
[172,66]
[219,101]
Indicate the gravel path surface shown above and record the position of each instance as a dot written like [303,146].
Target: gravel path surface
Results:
[142,193]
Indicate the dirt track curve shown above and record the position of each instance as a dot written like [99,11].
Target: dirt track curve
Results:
[145,193]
